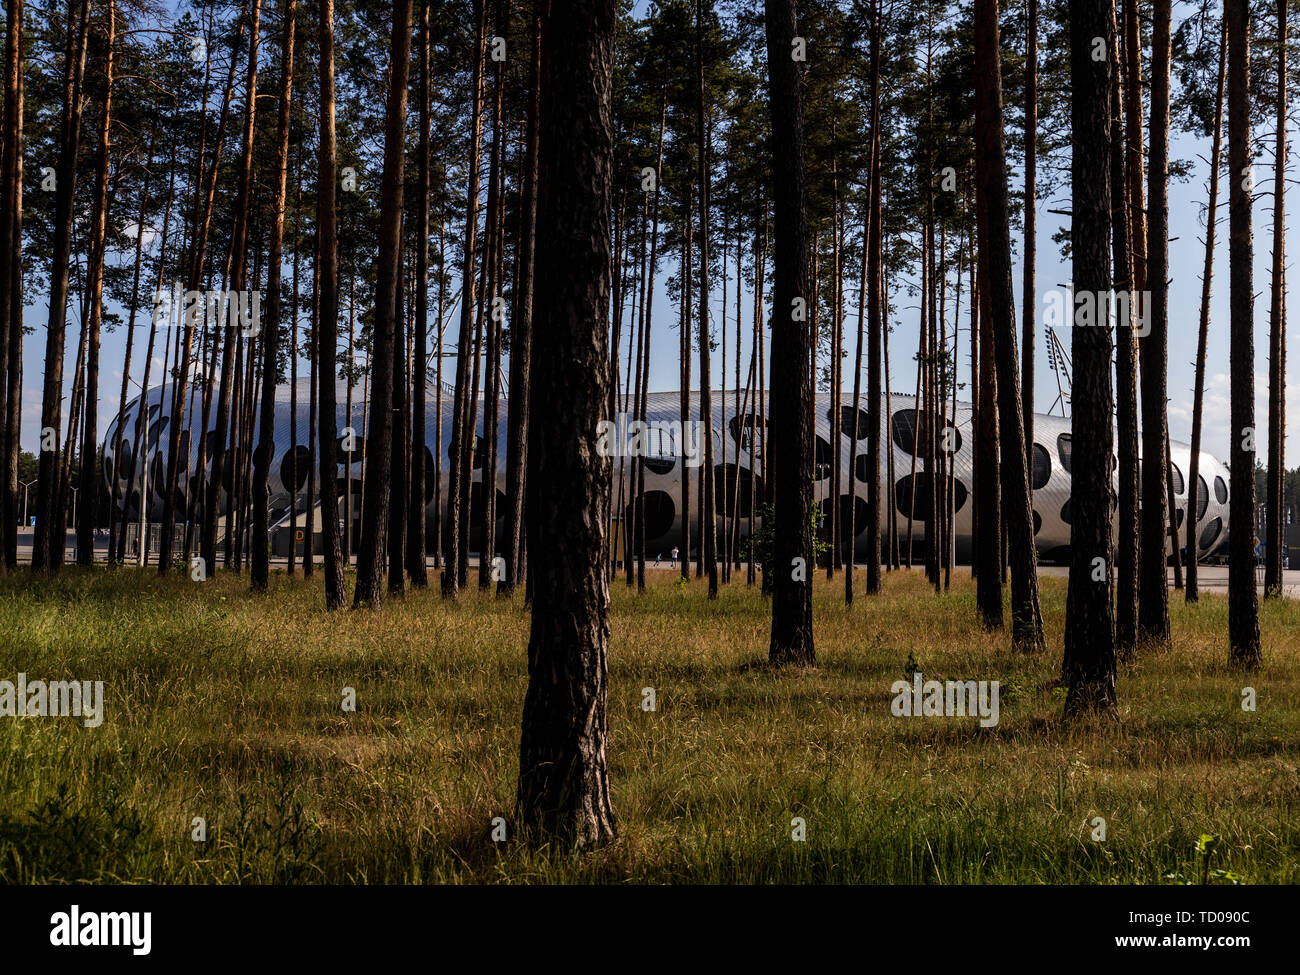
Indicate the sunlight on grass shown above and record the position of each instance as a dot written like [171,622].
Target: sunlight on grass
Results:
[227,706]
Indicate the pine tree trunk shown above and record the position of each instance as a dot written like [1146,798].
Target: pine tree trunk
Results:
[521,328]
[1243,600]
[1276,474]
[1089,665]
[260,556]
[49,542]
[14,280]
[1029,312]
[230,360]
[791,392]
[1153,589]
[563,769]
[708,503]
[462,421]
[327,334]
[875,329]
[379,441]
[416,548]
[88,482]
[398,479]
[1126,604]
[1026,616]
[1207,276]
[11,300]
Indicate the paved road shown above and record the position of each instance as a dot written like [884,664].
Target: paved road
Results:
[1210,578]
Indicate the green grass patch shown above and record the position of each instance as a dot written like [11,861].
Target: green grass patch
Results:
[227,706]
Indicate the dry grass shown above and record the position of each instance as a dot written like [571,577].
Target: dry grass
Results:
[227,706]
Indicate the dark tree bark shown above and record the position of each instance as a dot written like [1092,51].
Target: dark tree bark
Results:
[260,556]
[49,541]
[1126,562]
[117,536]
[986,563]
[463,419]
[398,478]
[1276,474]
[416,564]
[327,331]
[1089,667]
[379,439]
[1243,600]
[1029,313]
[521,328]
[1207,276]
[851,528]
[88,483]
[708,503]
[229,361]
[1153,589]
[1026,617]
[202,217]
[791,406]
[875,322]
[684,370]
[1126,369]
[563,769]
[493,259]
[11,277]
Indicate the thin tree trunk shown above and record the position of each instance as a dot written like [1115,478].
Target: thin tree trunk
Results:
[1276,474]
[11,276]
[1026,616]
[332,546]
[88,482]
[416,548]
[463,420]
[521,327]
[1126,604]
[708,519]
[379,442]
[260,556]
[1243,600]
[1153,589]
[49,542]
[1029,293]
[1207,276]
[229,360]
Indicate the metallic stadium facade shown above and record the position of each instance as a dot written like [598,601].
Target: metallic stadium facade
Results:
[734,458]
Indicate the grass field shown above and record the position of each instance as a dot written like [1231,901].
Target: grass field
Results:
[227,706]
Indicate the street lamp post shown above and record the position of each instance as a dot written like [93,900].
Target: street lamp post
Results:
[26,485]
